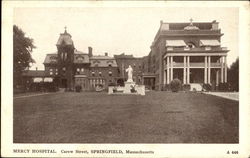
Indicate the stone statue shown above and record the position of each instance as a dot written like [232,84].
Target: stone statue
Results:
[130,74]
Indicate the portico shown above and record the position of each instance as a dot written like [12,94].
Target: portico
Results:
[205,62]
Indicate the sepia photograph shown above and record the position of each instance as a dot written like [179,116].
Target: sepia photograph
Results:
[97,74]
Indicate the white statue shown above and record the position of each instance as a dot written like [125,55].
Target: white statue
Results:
[130,74]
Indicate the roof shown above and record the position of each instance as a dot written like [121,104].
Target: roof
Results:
[50,59]
[65,38]
[181,26]
[209,43]
[102,61]
[175,43]
[123,56]
[34,73]
[79,58]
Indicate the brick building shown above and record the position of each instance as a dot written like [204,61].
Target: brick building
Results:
[70,67]
[123,62]
[191,52]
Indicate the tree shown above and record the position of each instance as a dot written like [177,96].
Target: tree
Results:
[233,75]
[22,49]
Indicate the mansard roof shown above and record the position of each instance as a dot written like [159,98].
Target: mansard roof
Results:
[79,58]
[102,61]
[65,38]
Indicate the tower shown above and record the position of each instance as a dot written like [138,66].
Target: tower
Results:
[65,52]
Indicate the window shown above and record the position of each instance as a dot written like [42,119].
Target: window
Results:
[51,73]
[64,68]
[56,73]
[207,48]
[93,73]
[80,58]
[56,70]
[110,73]
[82,69]
[100,73]
[78,69]
[50,70]
[110,65]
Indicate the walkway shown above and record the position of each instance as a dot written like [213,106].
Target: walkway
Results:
[228,95]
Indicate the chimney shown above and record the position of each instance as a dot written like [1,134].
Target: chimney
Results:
[215,25]
[106,54]
[90,51]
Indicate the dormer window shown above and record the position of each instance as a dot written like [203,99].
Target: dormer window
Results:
[207,48]
[110,65]
[80,58]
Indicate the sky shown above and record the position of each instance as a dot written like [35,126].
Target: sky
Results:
[116,30]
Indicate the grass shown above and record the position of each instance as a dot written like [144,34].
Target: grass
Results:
[158,117]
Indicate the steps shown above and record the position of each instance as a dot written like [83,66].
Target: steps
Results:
[196,87]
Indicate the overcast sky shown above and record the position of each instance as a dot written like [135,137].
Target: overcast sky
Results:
[116,30]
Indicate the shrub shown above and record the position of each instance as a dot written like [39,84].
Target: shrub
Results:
[78,88]
[223,87]
[186,87]
[175,85]
[167,87]
[207,87]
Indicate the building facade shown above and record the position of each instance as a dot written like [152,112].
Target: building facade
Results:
[123,62]
[70,68]
[191,52]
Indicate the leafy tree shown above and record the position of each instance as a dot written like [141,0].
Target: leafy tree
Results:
[22,49]
[233,75]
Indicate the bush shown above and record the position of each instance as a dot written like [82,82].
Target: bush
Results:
[78,88]
[207,87]
[223,87]
[166,87]
[175,85]
[186,87]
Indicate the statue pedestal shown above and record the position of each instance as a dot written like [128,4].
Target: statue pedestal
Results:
[127,88]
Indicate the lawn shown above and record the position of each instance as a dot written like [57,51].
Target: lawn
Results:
[158,117]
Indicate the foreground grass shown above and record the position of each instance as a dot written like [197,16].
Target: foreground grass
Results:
[158,117]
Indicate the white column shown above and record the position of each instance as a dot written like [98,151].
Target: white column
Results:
[164,76]
[225,58]
[217,77]
[188,70]
[171,68]
[184,70]
[221,70]
[205,70]
[168,65]
[209,69]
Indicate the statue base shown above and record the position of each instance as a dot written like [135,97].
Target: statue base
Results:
[128,87]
